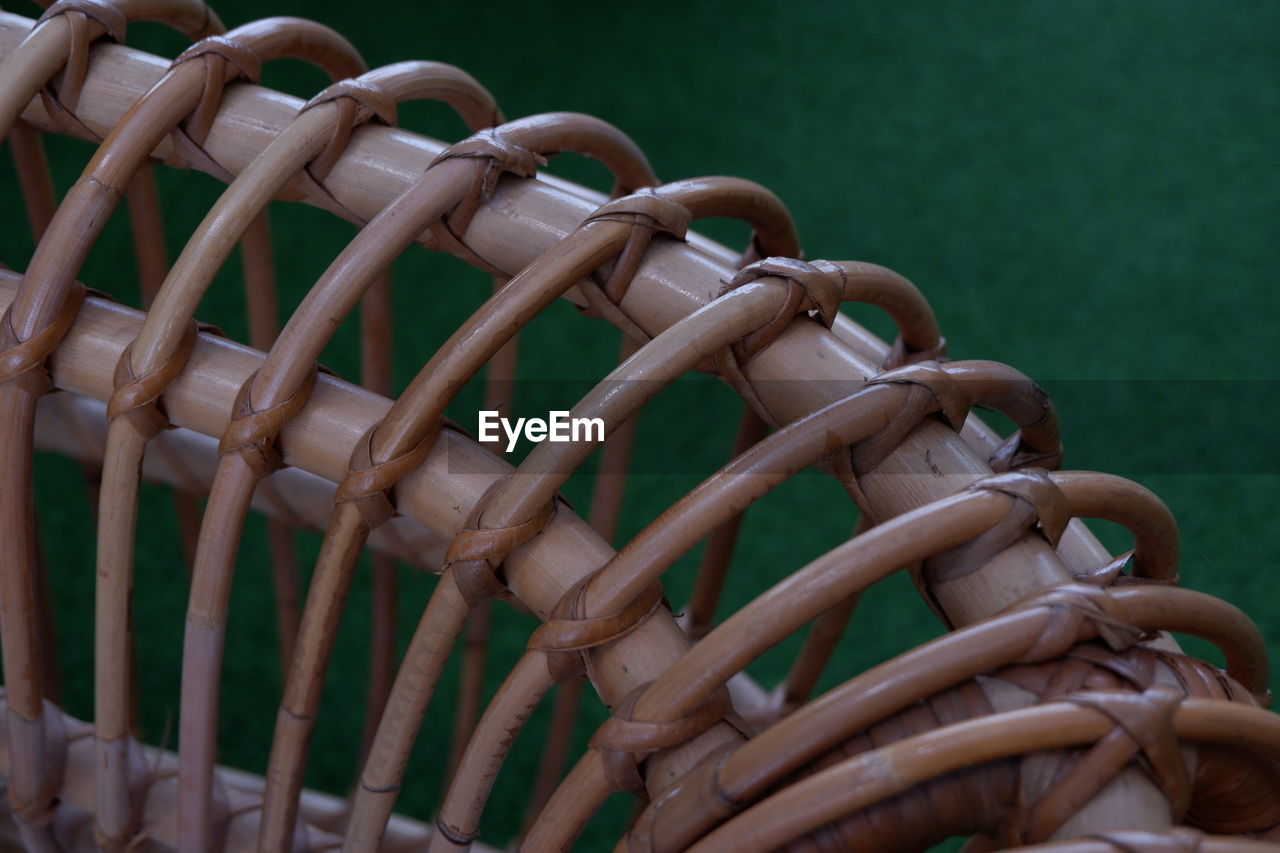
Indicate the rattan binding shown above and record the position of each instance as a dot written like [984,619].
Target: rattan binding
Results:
[1057,712]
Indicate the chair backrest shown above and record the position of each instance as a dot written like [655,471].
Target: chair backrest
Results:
[1057,705]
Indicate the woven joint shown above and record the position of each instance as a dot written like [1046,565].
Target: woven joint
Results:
[625,743]
[569,633]
[110,18]
[368,483]
[815,288]
[648,213]
[138,397]
[24,361]
[225,60]
[929,389]
[701,783]
[476,553]
[1070,607]
[358,102]
[646,208]
[1144,730]
[494,155]
[1035,501]
[252,432]
[78,14]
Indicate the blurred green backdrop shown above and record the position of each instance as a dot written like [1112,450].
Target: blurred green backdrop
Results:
[1086,190]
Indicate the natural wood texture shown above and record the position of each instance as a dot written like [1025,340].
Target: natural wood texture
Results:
[990,535]
[673,281]
[75,426]
[322,815]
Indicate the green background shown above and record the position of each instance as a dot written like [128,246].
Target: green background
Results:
[1085,190]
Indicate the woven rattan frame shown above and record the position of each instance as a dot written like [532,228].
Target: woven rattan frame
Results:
[1056,713]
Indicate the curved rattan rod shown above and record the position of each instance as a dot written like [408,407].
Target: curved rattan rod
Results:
[527,294]
[804,594]
[318,443]
[483,335]
[1084,543]
[151,258]
[39,310]
[438,495]
[66,31]
[870,777]
[242,204]
[603,514]
[526,684]
[65,34]
[606,495]
[72,30]
[35,182]
[286,370]
[375,374]
[182,92]
[365,180]
[39,56]
[1037,631]
[735,316]
[315,131]
[38,197]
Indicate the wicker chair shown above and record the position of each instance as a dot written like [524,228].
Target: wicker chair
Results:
[1056,712]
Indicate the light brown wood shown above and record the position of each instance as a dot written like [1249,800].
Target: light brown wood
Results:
[994,554]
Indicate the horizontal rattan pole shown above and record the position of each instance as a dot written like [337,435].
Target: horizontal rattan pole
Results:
[808,367]
[320,439]
[76,426]
[805,369]
[438,495]
[320,815]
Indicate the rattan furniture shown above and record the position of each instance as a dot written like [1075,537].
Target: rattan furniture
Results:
[1056,713]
